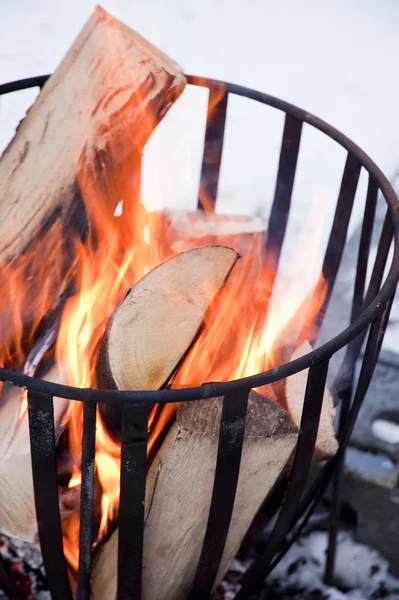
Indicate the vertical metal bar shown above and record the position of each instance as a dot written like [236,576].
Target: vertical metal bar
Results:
[373,347]
[380,262]
[270,506]
[303,457]
[231,437]
[307,507]
[344,380]
[370,358]
[86,500]
[364,247]
[339,229]
[44,470]
[337,485]
[344,393]
[212,157]
[132,497]
[282,196]
[345,374]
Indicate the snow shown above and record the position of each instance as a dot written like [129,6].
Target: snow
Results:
[333,58]
[361,573]
[385,430]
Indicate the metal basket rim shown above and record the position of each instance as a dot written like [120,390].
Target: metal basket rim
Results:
[320,354]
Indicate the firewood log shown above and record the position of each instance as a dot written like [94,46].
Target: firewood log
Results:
[157,321]
[180,480]
[179,490]
[186,229]
[295,386]
[77,152]
[172,297]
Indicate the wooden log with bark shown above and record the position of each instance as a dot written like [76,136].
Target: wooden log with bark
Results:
[88,126]
[138,353]
[73,156]
[148,333]
[179,490]
[76,154]
[155,324]
[180,480]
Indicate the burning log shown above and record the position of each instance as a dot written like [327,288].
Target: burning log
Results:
[90,121]
[136,354]
[74,155]
[179,490]
[295,385]
[77,153]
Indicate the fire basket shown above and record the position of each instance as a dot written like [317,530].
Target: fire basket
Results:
[371,305]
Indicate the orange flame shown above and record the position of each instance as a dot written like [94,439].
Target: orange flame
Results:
[239,337]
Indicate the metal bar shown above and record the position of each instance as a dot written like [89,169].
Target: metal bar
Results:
[23,84]
[269,508]
[231,437]
[86,500]
[337,484]
[45,485]
[282,196]
[212,157]
[364,247]
[303,458]
[370,358]
[132,497]
[380,262]
[339,229]
[305,512]
[345,374]
[373,347]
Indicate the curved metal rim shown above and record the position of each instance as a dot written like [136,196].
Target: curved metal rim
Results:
[322,353]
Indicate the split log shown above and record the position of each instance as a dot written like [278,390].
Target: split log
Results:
[155,324]
[179,490]
[186,229]
[91,119]
[137,351]
[77,153]
[180,480]
[295,386]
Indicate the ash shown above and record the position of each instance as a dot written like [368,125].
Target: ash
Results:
[361,573]
[24,564]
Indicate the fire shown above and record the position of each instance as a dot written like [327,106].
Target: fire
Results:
[235,342]
[240,335]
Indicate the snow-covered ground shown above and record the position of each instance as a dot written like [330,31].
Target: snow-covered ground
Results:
[337,59]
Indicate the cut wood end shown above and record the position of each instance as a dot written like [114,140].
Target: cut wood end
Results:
[265,418]
[159,318]
[326,443]
[100,14]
